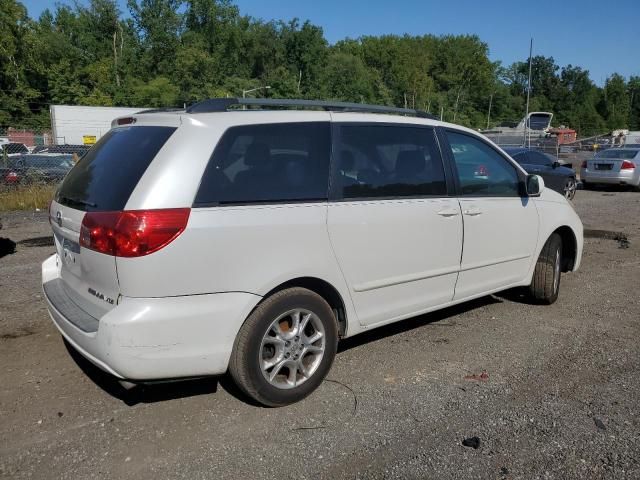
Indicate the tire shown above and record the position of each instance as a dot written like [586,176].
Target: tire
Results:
[269,337]
[570,188]
[545,284]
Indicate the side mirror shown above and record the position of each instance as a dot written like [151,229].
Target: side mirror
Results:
[556,164]
[535,185]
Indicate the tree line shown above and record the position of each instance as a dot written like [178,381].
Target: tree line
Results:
[167,53]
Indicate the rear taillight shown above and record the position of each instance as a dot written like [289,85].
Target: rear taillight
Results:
[627,165]
[11,177]
[133,233]
[584,164]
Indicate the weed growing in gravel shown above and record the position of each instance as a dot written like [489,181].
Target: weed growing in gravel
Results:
[26,198]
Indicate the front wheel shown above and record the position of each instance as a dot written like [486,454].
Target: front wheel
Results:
[570,188]
[545,283]
[285,348]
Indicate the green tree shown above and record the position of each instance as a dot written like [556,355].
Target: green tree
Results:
[634,103]
[159,92]
[616,102]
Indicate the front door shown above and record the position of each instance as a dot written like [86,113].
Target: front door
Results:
[500,223]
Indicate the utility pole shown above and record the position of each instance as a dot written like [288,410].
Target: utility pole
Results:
[489,112]
[526,117]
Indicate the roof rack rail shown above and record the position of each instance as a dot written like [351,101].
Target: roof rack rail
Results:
[223,104]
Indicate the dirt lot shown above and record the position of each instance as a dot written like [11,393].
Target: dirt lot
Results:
[559,398]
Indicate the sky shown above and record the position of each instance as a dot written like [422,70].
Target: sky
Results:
[602,37]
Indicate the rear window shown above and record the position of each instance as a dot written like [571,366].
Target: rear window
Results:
[618,154]
[281,162]
[104,178]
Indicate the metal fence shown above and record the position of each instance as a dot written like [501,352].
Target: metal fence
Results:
[29,158]
[568,153]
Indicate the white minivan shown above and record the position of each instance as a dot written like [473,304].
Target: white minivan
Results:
[211,239]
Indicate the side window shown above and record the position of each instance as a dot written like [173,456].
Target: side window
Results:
[387,161]
[482,171]
[537,158]
[276,162]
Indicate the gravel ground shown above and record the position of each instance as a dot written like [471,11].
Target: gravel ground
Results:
[550,392]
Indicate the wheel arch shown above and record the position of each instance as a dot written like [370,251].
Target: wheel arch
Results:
[323,288]
[569,247]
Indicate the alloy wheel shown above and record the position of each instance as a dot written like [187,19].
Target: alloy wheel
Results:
[570,188]
[292,348]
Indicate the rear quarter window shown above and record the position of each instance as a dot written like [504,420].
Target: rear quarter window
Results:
[105,176]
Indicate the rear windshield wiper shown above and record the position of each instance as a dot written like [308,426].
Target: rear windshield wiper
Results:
[78,201]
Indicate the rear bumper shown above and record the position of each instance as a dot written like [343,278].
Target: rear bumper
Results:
[157,338]
[630,177]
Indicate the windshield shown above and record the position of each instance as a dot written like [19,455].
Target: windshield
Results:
[618,154]
[539,121]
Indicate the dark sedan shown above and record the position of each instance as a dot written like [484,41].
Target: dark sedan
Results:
[556,177]
[30,169]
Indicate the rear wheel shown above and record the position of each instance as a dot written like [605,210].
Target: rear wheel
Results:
[570,188]
[545,284]
[285,348]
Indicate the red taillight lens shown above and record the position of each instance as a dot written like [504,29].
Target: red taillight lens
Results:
[133,233]
[584,164]
[627,165]
[11,177]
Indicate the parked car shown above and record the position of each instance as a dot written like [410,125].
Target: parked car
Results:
[36,168]
[615,166]
[203,241]
[557,177]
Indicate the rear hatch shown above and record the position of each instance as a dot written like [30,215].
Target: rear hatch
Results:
[101,181]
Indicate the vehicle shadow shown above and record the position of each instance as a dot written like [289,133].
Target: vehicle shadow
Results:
[608,189]
[416,322]
[172,390]
[517,295]
[147,393]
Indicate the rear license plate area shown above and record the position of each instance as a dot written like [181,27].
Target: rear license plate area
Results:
[603,166]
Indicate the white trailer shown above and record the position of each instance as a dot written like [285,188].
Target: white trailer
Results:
[632,138]
[78,125]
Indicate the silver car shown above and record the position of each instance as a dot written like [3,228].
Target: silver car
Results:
[615,166]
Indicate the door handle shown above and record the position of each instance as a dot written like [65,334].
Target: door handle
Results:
[448,212]
[472,211]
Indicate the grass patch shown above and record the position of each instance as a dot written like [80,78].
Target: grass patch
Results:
[26,198]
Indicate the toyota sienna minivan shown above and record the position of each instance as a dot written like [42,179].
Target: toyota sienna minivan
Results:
[209,240]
